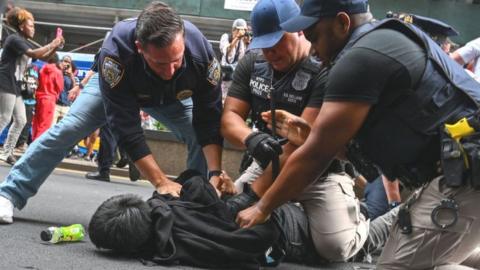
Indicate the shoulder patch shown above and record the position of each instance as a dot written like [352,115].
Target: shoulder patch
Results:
[214,72]
[112,71]
[301,80]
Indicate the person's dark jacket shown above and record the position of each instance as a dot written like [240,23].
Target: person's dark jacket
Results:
[198,229]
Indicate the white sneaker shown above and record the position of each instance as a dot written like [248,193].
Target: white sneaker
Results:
[6,211]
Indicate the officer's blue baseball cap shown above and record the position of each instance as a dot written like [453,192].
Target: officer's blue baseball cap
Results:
[313,10]
[266,17]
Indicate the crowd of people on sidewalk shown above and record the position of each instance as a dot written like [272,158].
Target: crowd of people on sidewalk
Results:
[324,99]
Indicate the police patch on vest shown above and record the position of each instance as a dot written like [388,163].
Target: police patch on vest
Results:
[112,71]
[184,94]
[214,72]
[301,80]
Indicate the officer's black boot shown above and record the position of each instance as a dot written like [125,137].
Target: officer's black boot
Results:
[101,176]
[242,201]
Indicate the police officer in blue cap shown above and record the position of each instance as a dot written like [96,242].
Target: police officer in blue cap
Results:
[281,69]
[412,112]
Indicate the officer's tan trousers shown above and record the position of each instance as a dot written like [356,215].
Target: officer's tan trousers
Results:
[337,228]
[430,247]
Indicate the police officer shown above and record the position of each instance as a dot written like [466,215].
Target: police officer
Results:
[283,71]
[399,96]
[87,113]
[165,66]
[439,31]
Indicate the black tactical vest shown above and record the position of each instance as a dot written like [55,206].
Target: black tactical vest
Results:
[291,92]
[401,133]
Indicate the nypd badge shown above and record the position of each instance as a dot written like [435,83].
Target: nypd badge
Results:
[184,94]
[214,72]
[301,80]
[112,71]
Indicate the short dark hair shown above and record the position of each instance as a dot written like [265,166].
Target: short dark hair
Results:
[158,24]
[122,223]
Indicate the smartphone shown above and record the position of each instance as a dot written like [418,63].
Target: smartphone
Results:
[59,32]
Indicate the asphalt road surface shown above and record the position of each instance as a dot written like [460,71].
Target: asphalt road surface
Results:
[67,198]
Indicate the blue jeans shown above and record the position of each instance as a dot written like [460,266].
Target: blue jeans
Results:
[86,115]
[376,198]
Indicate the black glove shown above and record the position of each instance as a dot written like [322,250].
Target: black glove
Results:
[262,147]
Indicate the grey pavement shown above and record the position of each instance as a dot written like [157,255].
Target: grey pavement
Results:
[68,198]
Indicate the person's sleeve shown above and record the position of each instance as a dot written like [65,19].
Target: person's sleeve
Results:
[224,43]
[18,45]
[207,105]
[121,107]
[318,89]
[240,87]
[60,84]
[361,75]
[470,51]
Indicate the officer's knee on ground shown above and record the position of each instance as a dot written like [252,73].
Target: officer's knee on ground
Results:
[333,248]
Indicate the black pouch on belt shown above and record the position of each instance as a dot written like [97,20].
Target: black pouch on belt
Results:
[453,160]
[471,147]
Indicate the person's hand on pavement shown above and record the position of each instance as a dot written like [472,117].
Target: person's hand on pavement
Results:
[251,217]
[290,126]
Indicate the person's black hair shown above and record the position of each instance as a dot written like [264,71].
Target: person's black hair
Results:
[54,59]
[159,25]
[122,224]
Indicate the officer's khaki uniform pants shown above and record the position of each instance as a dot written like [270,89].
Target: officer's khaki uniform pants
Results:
[428,246]
[337,228]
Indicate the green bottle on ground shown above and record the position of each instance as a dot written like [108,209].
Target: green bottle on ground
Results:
[71,233]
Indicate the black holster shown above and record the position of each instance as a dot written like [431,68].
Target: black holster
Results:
[453,160]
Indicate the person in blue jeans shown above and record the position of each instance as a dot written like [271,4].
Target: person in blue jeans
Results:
[86,115]
[157,62]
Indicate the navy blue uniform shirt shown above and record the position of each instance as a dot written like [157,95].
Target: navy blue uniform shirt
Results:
[127,84]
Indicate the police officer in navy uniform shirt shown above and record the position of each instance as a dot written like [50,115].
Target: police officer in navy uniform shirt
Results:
[165,66]
[414,114]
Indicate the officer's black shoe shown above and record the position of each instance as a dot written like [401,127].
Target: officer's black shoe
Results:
[100,176]
[133,172]
[122,162]
[242,201]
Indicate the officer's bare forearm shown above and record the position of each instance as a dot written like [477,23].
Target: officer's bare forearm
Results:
[213,155]
[234,128]
[149,168]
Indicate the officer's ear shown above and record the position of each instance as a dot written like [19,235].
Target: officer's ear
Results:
[139,47]
[342,24]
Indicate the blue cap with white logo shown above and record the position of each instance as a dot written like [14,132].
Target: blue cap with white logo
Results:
[266,17]
[313,10]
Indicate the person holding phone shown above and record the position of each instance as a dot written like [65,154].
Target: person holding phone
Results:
[16,54]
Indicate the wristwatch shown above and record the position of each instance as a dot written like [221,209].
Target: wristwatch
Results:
[393,204]
[81,86]
[214,173]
